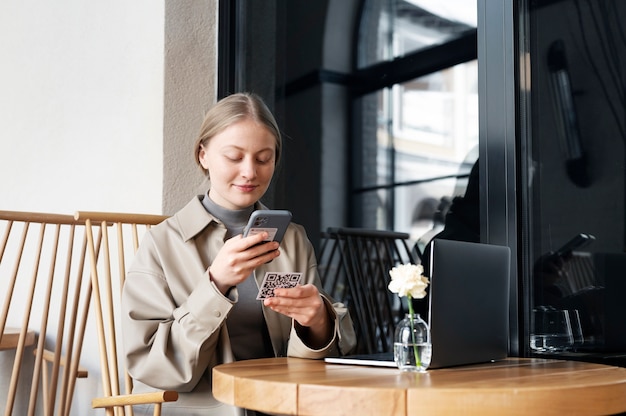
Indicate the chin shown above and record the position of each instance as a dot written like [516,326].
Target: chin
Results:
[244,199]
[246,202]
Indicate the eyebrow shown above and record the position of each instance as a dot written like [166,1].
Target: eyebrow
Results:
[232,146]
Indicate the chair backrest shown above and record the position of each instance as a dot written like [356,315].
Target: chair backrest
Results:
[46,295]
[112,240]
[354,266]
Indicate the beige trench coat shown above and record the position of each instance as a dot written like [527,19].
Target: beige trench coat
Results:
[173,315]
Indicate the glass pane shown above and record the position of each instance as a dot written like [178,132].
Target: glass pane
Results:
[426,134]
[575,179]
[393,28]
[435,135]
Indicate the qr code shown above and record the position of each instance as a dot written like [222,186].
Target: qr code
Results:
[273,280]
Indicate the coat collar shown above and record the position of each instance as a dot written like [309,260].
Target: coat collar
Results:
[193,217]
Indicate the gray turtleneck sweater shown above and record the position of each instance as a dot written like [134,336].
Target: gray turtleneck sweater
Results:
[246,325]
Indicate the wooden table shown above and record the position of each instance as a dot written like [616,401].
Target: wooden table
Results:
[520,386]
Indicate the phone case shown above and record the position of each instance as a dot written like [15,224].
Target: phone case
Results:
[273,221]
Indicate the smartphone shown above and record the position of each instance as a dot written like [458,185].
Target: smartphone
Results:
[272,221]
[579,241]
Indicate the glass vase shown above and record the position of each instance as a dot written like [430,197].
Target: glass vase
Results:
[412,348]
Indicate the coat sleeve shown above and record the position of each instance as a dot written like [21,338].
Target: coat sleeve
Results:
[169,344]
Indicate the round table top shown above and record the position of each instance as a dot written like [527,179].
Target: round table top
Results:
[513,386]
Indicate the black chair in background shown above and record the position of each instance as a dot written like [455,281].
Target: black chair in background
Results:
[354,267]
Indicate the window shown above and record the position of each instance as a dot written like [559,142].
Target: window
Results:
[572,182]
[419,134]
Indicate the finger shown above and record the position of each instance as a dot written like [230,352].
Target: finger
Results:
[299,291]
[303,315]
[304,305]
[284,305]
[255,239]
[263,248]
[289,309]
[264,258]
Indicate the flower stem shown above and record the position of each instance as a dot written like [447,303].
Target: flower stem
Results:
[411,313]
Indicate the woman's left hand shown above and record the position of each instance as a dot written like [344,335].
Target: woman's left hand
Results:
[305,305]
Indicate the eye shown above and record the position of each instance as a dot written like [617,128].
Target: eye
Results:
[265,157]
[233,157]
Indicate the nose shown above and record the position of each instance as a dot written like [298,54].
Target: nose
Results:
[248,168]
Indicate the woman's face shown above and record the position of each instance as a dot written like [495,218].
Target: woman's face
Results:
[240,162]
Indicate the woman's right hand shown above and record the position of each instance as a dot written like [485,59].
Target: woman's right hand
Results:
[239,257]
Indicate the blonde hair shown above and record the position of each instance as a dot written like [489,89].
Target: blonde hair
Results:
[232,109]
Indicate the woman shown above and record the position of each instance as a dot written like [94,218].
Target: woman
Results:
[189,301]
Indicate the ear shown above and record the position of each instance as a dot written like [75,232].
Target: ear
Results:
[202,158]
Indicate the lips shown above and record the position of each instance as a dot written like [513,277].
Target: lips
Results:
[246,188]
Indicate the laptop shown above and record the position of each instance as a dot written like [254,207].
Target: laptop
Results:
[468,306]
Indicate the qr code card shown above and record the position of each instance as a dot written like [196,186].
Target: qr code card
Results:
[274,280]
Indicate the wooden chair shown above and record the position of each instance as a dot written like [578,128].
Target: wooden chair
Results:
[116,250]
[354,267]
[45,307]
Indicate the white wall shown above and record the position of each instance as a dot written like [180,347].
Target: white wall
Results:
[81,114]
[98,100]
[81,117]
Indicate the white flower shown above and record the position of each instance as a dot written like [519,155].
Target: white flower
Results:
[408,280]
